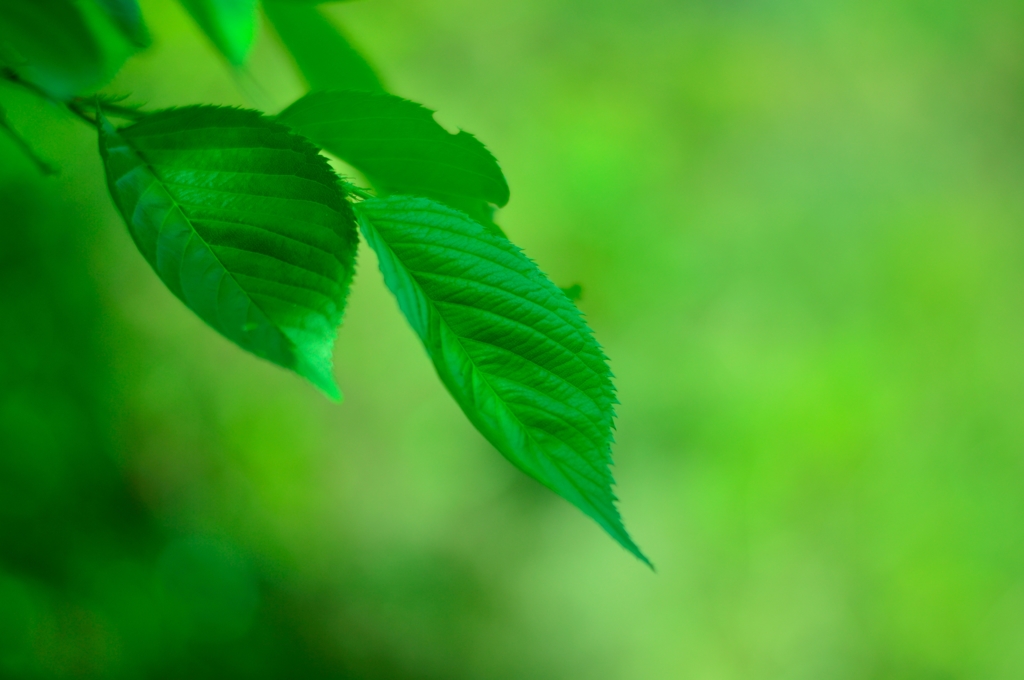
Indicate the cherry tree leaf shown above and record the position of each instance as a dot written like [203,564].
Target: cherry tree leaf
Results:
[65,48]
[245,222]
[510,347]
[401,149]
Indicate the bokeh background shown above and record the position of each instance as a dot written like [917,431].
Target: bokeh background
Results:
[799,228]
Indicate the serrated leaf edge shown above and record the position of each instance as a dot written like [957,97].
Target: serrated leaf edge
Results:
[427,310]
[324,383]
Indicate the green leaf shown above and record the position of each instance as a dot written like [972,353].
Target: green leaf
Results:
[245,222]
[229,24]
[509,346]
[65,48]
[326,59]
[401,149]
[127,16]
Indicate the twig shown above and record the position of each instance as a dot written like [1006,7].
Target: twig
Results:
[355,190]
[43,166]
[10,76]
[111,107]
[77,105]
[76,108]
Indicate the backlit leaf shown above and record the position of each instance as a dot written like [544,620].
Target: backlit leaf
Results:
[401,149]
[245,222]
[324,56]
[510,347]
[229,24]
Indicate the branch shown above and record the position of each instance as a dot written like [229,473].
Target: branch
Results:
[12,77]
[43,166]
[110,107]
[76,108]
[77,105]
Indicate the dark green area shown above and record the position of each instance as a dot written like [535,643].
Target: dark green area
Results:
[127,16]
[401,149]
[93,583]
[49,42]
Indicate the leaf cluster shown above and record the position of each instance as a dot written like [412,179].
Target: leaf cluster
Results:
[245,221]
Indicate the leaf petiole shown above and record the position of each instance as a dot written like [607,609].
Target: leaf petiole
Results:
[112,109]
[356,190]
[44,167]
[76,105]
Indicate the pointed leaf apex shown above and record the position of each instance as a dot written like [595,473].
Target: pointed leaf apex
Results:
[245,222]
[510,347]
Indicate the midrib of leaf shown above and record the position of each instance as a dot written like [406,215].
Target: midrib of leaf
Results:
[584,391]
[610,522]
[433,307]
[576,388]
[480,284]
[195,235]
[154,170]
[598,444]
[253,226]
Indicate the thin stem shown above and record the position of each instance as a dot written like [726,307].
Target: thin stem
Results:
[43,166]
[12,77]
[77,105]
[355,191]
[76,108]
[108,107]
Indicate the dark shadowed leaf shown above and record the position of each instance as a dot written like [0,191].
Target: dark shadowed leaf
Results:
[230,25]
[401,149]
[127,16]
[507,343]
[63,47]
[245,222]
[324,56]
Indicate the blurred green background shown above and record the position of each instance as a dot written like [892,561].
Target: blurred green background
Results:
[799,227]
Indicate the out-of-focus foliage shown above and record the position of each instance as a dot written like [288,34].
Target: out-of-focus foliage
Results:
[64,47]
[229,24]
[797,227]
[323,54]
[127,16]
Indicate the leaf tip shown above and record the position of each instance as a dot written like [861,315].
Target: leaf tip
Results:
[325,383]
[623,539]
[643,558]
